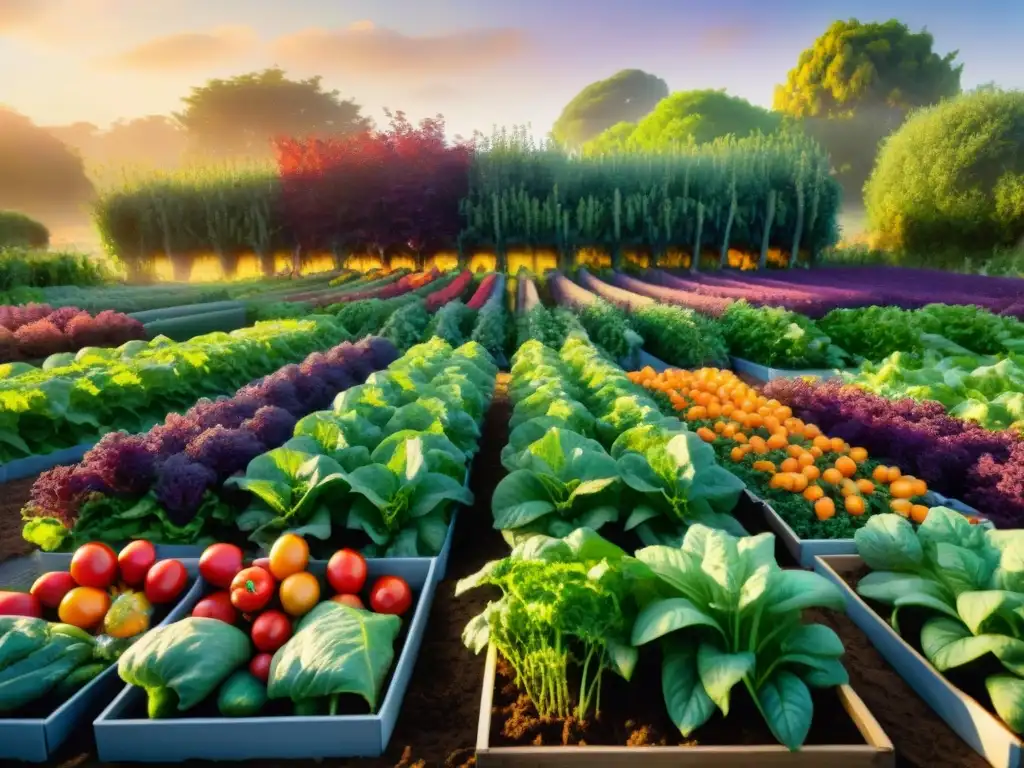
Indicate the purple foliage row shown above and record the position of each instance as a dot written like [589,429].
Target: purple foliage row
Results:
[957,458]
[650,292]
[37,330]
[188,454]
[567,293]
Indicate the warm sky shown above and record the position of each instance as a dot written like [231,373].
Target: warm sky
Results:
[479,62]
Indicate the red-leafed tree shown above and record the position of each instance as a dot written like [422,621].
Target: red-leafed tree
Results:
[393,189]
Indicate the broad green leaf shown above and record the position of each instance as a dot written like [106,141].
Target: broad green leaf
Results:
[792,590]
[688,704]
[1007,694]
[720,671]
[665,616]
[787,707]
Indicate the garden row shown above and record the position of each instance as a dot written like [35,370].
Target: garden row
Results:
[405,190]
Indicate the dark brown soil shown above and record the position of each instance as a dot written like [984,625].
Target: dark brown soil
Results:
[437,726]
[633,715]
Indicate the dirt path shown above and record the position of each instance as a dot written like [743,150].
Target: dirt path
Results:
[437,725]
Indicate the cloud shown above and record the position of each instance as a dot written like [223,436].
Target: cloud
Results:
[55,22]
[364,48]
[726,37]
[184,50]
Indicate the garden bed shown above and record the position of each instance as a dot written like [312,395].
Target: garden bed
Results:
[510,733]
[973,722]
[125,734]
[46,724]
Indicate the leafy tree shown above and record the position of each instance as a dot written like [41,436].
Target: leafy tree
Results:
[38,173]
[687,117]
[952,176]
[154,141]
[855,85]
[624,97]
[241,115]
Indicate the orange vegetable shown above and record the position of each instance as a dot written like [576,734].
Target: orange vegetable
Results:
[901,489]
[813,492]
[859,454]
[811,431]
[854,505]
[824,508]
[799,483]
[84,607]
[881,474]
[846,466]
[848,488]
[696,413]
[865,486]
[816,452]
[771,423]
[740,437]
[811,472]
[794,451]
[837,445]
[832,476]
[719,427]
[777,441]
[805,459]
[822,443]
[900,507]
[790,465]
[894,474]
[706,435]
[918,513]
[920,487]
[737,454]
[764,466]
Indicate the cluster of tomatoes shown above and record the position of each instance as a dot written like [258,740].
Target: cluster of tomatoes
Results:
[97,578]
[273,592]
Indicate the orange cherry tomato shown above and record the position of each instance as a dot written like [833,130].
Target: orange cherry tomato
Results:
[84,607]
[289,555]
[299,593]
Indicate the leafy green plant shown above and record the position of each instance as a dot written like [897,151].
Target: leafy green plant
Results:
[294,491]
[406,325]
[680,336]
[674,481]
[729,615]
[402,505]
[453,322]
[560,482]
[778,337]
[493,327]
[566,601]
[611,329]
[969,578]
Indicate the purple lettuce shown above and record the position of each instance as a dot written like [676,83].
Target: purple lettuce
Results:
[272,426]
[125,463]
[225,451]
[180,486]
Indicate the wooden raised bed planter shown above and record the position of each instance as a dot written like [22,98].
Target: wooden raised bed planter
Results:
[980,728]
[875,752]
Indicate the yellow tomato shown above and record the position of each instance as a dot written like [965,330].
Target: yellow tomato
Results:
[299,593]
[289,555]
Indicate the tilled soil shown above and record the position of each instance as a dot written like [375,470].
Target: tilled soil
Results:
[437,725]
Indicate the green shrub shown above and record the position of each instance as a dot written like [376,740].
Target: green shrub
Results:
[952,176]
[17,229]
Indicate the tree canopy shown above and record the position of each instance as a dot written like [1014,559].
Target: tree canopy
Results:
[854,65]
[626,96]
[241,115]
[952,176]
[153,141]
[38,173]
[687,117]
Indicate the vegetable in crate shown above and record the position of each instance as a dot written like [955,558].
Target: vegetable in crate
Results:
[335,650]
[36,656]
[731,616]
[968,580]
[180,664]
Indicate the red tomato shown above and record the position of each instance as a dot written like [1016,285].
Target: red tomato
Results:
[220,563]
[135,560]
[270,631]
[390,594]
[165,581]
[20,604]
[346,572]
[259,667]
[51,587]
[217,606]
[94,565]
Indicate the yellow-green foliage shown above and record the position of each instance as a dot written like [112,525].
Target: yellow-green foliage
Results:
[686,117]
[952,176]
[625,96]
